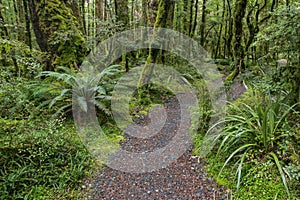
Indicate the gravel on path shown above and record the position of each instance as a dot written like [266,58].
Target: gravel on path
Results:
[184,179]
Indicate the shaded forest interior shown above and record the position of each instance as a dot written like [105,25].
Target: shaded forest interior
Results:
[44,45]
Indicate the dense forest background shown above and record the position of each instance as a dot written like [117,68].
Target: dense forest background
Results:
[254,43]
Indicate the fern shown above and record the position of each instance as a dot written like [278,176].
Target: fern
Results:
[67,87]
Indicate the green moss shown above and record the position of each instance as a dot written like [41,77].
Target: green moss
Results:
[66,43]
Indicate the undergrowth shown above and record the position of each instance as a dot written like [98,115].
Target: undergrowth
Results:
[41,156]
[41,159]
[256,153]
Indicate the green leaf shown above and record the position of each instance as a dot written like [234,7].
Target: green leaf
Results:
[233,154]
[63,92]
[281,173]
[82,103]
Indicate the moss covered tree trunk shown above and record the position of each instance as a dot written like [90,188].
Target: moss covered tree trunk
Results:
[165,16]
[57,33]
[238,47]
[74,5]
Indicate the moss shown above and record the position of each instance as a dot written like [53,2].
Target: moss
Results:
[66,43]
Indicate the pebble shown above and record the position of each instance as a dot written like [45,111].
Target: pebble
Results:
[177,181]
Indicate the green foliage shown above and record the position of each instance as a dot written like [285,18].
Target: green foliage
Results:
[41,157]
[283,40]
[258,130]
[15,95]
[283,36]
[114,134]
[261,182]
[107,29]
[28,61]
[77,88]
[44,160]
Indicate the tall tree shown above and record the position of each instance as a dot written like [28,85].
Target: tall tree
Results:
[99,9]
[122,15]
[195,18]
[218,46]
[164,15]
[28,39]
[254,25]
[228,31]
[186,16]
[203,23]
[57,33]
[238,47]
[145,12]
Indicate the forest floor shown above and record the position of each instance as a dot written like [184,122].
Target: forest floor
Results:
[184,179]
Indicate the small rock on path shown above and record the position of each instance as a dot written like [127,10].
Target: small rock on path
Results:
[184,179]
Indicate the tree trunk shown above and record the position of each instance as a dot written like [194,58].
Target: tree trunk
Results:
[186,16]
[4,33]
[121,11]
[203,23]
[74,5]
[165,13]
[218,46]
[191,17]
[83,17]
[230,31]
[57,33]
[21,21]
[28,39]
[145,12]
[195,19]
[238,48]
[100,9]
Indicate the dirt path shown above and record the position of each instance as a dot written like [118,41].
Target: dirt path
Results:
[183,179]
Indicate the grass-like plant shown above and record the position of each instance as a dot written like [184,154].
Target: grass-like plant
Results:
[255,129]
